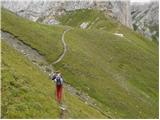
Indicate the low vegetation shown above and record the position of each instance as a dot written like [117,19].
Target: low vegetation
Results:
[44,38]
[28,93]
[96,19]
[116,71]
[119,72]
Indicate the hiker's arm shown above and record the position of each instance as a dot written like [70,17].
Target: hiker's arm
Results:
[54,77]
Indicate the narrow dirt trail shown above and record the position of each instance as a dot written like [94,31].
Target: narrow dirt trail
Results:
[64,47]
[43,65]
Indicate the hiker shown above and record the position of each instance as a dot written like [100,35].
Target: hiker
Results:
[57,77]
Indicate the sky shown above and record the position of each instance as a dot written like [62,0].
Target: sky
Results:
[141,0]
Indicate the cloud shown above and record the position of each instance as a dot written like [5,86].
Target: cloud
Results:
[142,0]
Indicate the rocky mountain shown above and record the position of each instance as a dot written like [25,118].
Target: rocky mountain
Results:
[145,19]
[45,11]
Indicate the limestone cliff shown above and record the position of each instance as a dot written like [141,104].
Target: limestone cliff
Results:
[145,19]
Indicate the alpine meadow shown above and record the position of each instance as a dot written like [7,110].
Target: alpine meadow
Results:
[109,69]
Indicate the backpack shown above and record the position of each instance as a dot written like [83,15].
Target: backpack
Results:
[59,80]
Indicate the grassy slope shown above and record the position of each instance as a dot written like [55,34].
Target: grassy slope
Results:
[121,73]
[96,19]
[48,42]
[28,93]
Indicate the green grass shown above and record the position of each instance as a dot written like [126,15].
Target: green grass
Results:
[46,39]
[96,19]
[28,93]
[121,73]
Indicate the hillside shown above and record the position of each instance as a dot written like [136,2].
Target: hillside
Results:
[93,19]
[47,43]
[113,72]
[119,72]
[27,92]
[111,68]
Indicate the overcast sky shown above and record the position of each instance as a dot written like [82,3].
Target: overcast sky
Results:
[141,0]
[87,0]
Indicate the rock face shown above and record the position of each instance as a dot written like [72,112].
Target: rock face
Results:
[118,9]
[45,11]
[145,19]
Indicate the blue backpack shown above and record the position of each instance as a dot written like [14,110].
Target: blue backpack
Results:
[59,80]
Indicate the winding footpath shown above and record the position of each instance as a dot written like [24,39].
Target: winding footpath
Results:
[64,47]
[38,59]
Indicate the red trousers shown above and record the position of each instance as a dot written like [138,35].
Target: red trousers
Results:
[59,93]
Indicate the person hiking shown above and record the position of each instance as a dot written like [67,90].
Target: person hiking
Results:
[57,77]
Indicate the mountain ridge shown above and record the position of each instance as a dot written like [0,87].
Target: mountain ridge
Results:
[46,11]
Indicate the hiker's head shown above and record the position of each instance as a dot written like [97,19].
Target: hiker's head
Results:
[57,72]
